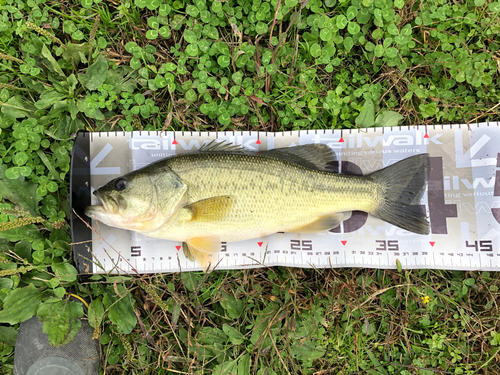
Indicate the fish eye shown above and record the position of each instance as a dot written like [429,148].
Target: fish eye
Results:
[120,184]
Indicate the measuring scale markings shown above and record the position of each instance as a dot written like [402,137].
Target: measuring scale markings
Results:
[462,199]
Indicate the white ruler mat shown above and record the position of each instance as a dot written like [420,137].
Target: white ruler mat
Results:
[462,201]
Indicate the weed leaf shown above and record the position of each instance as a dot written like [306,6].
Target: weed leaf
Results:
[53,63]
[6,284]
[227,368]
[120,308]
[64,127]
[8,335]
[209,336]
[96,313]
[191,280]
[399,266]
[76,52]
[388,118]
[96,74]
[244,365]
[232,306]
[29,232]
[20,305]
[48,99]
[366,116]
[306,345]
[494,7]
[61,320]
[65,271]
[20,192]
[14,108]
[379,368]
[235,336]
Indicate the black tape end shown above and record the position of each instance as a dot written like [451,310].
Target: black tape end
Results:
[81,234]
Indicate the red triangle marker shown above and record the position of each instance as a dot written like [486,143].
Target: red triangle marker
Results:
[258,142]
[432,243]
[343,242]
[174,142]
[260,244]
[178,248]
[341,140]
[426,135]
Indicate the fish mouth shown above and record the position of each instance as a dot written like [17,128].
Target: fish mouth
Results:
[94,211]
[109,205]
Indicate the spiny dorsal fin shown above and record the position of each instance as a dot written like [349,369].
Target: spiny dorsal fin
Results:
[312,156]
[215,146]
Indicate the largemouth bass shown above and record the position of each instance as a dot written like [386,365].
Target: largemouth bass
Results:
[223,193]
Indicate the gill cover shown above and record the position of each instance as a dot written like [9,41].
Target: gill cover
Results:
[142,200]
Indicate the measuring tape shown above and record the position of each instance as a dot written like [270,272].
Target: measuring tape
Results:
[462,201]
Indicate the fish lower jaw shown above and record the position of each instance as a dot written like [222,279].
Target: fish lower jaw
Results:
[92,211]
[100,213]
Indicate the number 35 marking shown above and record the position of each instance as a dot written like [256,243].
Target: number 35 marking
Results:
[391,245]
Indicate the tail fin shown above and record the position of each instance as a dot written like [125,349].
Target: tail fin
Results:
[403,185]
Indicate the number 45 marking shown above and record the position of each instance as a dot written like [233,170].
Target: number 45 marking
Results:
[485,245]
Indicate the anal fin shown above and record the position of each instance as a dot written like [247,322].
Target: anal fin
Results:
[322,223]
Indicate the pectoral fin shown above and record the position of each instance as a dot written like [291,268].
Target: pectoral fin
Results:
[202,249]
[320,224]
[211,209]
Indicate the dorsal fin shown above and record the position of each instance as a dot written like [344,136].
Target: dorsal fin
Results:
[312,156]
[215,146]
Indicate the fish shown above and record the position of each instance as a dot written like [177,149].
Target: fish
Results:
[225,193]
